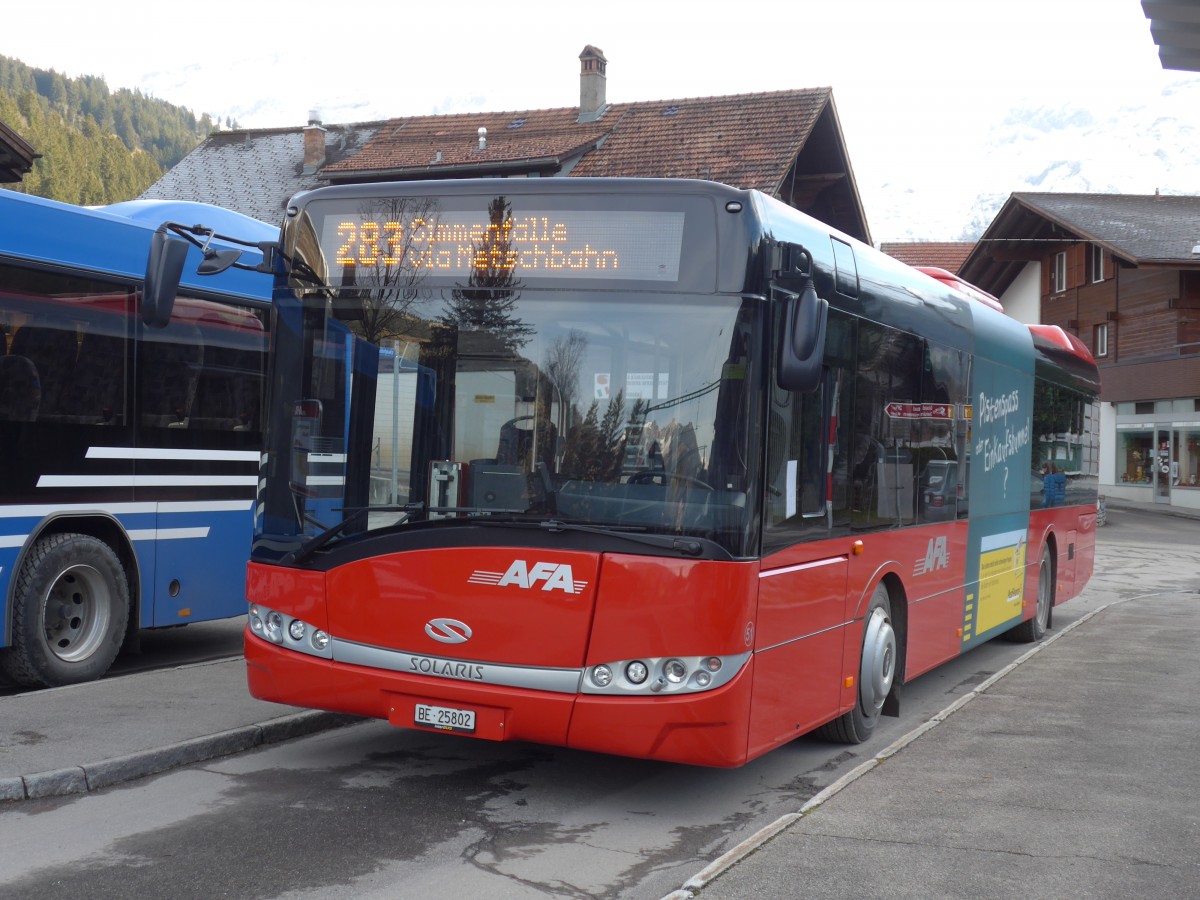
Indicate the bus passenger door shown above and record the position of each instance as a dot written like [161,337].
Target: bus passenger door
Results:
[805,563]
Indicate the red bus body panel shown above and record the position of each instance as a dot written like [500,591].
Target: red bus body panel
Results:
[799,612]
[623,607]
[386,601]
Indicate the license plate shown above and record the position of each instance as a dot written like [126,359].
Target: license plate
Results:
[444,718]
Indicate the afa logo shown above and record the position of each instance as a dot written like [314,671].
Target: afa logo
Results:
[937,556]
[545,576]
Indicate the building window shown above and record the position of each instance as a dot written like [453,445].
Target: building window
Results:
[1097,261]
[1143,408]
[1135,453]
[1100,341]
[1187,468]
[1058,278]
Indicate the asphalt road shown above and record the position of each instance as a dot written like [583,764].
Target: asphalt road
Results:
[373,811]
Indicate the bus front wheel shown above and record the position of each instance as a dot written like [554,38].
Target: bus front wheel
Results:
[877,670]
[70,610]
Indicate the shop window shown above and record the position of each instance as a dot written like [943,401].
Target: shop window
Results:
[1187,446]
[1135,453]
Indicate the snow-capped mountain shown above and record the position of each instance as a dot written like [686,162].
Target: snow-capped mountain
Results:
[1065,149]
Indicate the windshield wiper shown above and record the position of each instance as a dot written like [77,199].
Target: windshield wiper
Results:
[319,540]
[634,533]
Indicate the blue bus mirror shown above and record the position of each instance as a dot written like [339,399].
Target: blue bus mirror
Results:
[164,268]
[217,261]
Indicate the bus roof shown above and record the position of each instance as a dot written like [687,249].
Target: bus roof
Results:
[1066,354]
[115,240]
[963,287]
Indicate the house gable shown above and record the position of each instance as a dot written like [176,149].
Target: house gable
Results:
[1116,270]
[16,156]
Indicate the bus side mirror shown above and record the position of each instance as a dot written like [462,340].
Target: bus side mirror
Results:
[802,350]
[164,268]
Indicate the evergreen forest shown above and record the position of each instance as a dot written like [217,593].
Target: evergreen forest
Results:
[97,146]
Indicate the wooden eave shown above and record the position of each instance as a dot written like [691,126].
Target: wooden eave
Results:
[544,165]
[16,155]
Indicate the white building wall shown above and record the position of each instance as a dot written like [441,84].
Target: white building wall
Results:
[1108,448]
[1023,299]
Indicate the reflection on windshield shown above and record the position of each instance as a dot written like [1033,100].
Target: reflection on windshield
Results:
[601,408]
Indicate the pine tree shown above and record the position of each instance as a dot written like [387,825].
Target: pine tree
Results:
[97,146]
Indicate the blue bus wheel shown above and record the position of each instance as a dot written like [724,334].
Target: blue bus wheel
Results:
[70,610]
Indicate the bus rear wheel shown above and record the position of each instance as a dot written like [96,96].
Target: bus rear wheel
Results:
[70,610]
[1035,629]
[876,672]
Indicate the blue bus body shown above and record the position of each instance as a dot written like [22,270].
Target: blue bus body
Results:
[119,442]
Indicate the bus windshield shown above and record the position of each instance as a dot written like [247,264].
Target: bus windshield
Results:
[625,411]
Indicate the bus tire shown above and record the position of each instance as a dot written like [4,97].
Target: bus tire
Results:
[70,611]
[877,670]
[1034,629]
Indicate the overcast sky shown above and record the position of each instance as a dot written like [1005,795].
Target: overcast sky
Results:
[920,85]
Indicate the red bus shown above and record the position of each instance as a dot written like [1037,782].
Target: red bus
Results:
[657,468]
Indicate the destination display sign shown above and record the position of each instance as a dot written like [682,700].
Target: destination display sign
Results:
[608,245]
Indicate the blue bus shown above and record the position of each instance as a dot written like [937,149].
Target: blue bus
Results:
[130,454]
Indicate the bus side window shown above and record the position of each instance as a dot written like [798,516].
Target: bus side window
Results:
[887,404]
[98,381]
[170,362]
[51,345]
[942,435]
[229,384]
[796,437]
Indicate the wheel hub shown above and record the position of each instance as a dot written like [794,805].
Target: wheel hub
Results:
[878,662]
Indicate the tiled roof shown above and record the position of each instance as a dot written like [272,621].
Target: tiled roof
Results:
[785,143]
[745,140]
[1139,227]
[254,171]
[948,255]
[426,145]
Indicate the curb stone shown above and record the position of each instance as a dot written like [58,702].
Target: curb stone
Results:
[105,773]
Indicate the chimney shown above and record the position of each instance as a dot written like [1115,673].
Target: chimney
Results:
[592,79]
[314,143]
[482,138]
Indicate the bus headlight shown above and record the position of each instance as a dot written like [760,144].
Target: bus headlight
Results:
[274,627]
[289,633]
[662,676]
[601,676]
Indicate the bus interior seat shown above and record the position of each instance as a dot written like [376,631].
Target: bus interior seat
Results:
[20,391]
[52,351]
[227,389]
[97,393]
[170,367]
[498,486]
